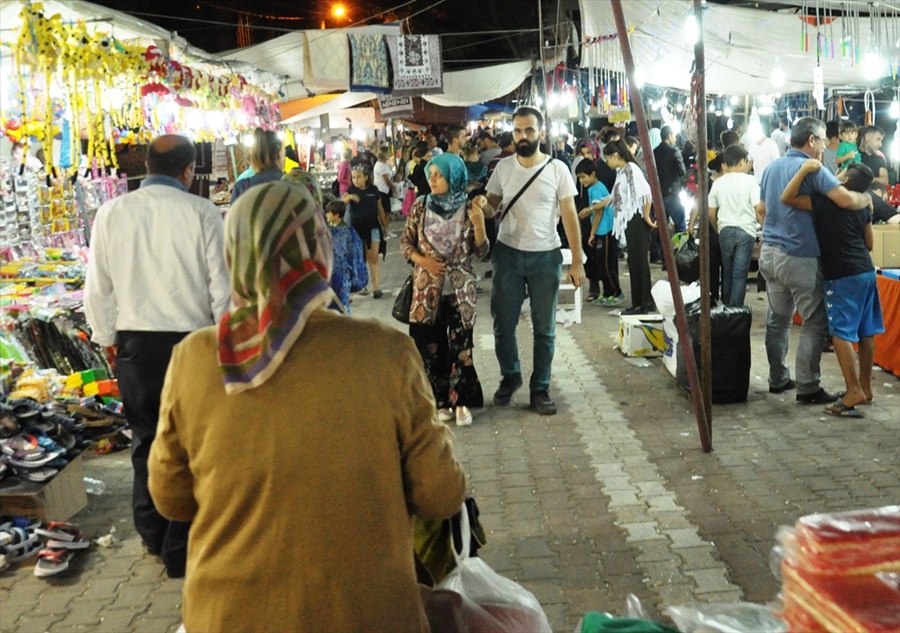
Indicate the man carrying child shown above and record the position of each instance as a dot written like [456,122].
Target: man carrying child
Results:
[851,294]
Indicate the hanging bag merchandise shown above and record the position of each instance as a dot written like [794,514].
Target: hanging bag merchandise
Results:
[512,608]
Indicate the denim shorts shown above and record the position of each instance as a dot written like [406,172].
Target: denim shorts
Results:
[375,235]
[853,307]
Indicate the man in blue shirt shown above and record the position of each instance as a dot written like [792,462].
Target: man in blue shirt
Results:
[789,261]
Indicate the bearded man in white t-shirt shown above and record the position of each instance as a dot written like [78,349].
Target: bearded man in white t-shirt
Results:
[527,254]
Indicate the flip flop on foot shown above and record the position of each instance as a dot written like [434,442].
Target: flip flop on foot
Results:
[841,410]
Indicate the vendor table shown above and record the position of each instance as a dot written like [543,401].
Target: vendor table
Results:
[887,345]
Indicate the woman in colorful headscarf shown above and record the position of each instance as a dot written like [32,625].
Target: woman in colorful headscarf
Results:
[298,454]
[443,232]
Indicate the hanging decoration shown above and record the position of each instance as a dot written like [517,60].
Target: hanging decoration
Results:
[78,86]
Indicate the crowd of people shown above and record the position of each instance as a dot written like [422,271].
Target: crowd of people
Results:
[244,384]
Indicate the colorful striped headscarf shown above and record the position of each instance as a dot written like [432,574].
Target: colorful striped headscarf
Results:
[278,248]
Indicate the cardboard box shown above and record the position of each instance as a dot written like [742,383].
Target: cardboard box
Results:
[641,335]
[56,500]
[886,247]
[670,356]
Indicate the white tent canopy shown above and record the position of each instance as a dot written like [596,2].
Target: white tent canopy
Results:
[284,54]
[461,88]
[340,102]
[742,46]
[478,85]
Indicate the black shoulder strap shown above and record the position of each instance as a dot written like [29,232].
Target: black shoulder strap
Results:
[522,190]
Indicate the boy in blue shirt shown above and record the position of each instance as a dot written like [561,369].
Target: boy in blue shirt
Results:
[601,240]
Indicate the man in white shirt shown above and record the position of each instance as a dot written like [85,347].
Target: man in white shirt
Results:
[527,254]
[763,152]
[156,273]
[781,135]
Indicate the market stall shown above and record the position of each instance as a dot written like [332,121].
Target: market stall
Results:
[86,88]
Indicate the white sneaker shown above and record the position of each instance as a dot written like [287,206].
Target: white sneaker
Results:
[445,415]
[463,416]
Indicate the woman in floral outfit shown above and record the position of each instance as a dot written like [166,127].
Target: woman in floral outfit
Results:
[443,233]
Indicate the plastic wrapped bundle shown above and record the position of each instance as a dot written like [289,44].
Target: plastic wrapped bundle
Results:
[841,572]
[847,543]
[862,603]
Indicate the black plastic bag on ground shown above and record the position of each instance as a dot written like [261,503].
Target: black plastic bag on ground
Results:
[687,261]
[730,333]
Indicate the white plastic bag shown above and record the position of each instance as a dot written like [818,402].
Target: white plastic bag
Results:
[514,608]
[662,296]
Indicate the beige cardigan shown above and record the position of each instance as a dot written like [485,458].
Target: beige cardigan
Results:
[301,491]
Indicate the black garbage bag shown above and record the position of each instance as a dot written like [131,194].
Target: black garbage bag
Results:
[687,261]
[730,332]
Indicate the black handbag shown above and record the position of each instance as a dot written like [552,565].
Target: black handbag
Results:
[403,302]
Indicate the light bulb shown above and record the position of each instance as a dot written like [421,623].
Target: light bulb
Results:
[727,112]
[638,78]
[894,110]
[691,31]
[777,76]
[248,140]
[872,66]
[734,100]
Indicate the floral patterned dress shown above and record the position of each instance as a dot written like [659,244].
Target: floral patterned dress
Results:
[442,311]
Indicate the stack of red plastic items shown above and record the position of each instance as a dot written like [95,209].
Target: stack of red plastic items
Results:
[841,572]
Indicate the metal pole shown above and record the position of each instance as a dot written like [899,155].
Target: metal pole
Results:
[543,76]
[661,220]
[703,189]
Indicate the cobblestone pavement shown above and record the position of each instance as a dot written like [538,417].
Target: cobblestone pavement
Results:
[611,496]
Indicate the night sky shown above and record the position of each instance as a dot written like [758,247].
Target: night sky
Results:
[214,25]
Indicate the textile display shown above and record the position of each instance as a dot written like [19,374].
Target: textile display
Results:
[326,62]
[369,70]
[417,64]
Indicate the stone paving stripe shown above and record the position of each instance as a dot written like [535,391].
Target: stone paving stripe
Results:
[625,472]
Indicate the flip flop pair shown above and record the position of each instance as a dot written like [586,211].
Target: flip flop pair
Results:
[63,540]
[841,410]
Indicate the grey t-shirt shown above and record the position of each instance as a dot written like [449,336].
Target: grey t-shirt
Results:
[828,157]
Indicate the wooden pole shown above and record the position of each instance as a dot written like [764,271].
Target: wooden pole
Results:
[703,201]
[661,220]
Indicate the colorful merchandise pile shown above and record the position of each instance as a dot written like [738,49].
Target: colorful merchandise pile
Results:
[841,572]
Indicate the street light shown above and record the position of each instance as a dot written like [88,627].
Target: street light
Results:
[338,11]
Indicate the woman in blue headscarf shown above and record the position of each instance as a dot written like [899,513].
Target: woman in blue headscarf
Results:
[443,232]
